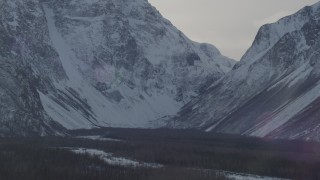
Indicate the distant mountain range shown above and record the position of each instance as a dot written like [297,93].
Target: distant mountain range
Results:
[71,64]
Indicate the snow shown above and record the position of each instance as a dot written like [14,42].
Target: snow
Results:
[99,138]
[92,19]
[14,23]
[272,34]
[66,55]
[133,112]
[264,67]
[119,161]
[110,159]
[241,176]
[70,119]
[298,75]
[316,6]
[83,38]
[87,2]
[289,111]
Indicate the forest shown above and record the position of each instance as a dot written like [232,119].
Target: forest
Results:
[182,154]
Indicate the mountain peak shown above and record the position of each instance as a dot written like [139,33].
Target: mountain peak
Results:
[96,63]
[269,34]
[272,91]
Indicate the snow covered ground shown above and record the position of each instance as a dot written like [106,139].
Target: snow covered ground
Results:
[110,159]
[99,138]
[240,176]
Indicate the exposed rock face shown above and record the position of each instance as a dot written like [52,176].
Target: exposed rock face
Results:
[273,91]
[89,63]
[28,64]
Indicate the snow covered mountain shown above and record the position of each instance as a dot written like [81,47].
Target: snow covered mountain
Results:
[274,91]
[89,63]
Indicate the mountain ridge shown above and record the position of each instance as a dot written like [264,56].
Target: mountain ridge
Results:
[264,91]
[96,64]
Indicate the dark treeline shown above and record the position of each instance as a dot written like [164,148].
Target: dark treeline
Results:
[31,161]
[200,137]
[179,151]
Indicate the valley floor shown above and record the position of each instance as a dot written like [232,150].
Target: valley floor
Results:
[136,154]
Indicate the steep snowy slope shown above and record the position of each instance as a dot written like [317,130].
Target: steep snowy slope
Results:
[24,39]
[272,89]
[89,63]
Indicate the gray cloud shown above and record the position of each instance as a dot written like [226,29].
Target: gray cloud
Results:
[228,24]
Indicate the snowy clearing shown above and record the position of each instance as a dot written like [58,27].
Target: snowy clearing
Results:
[240,176]
[99,138]
[110,159]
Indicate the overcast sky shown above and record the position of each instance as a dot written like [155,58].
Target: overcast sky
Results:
[230,25]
